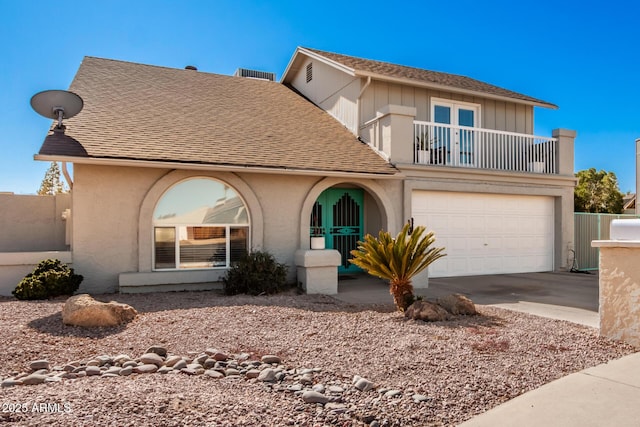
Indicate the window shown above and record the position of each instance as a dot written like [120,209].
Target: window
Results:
[199,223]
[309,71]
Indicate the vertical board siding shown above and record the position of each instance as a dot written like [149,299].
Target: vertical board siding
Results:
[588,227]
[494,114]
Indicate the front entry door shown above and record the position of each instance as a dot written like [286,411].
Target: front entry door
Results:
[340,213]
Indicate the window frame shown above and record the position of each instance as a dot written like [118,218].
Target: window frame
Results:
[228,227]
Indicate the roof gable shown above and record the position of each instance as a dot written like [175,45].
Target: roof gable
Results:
[414,76]
[150,113]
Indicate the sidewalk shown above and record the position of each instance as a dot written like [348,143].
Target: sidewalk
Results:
[605,395]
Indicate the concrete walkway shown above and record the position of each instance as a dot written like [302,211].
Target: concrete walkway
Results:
[605,395]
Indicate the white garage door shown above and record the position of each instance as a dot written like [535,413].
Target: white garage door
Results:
[487,233]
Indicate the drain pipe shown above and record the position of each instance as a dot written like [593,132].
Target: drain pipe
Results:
[67,177]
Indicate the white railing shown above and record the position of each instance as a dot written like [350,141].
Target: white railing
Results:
[460,146]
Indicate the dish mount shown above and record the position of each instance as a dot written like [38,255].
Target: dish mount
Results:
[57,105]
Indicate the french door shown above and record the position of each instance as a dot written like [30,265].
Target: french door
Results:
[339,215]
[455,142]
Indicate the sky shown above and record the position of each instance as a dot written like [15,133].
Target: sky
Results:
[583,56]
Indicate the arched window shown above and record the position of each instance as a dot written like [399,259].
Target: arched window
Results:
[199,223]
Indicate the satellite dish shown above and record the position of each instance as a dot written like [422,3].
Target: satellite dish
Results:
[57,104]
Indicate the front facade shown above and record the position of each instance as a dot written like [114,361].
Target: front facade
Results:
[499,199]
[177,172]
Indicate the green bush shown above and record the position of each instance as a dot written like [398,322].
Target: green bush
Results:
[51,278]
[255,273]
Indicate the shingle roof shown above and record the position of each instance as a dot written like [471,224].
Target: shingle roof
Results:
[144,112]
[386,69]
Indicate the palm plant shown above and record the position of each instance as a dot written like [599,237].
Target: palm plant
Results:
[397,259]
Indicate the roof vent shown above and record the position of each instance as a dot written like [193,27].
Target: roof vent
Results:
[190,67]
[254,74]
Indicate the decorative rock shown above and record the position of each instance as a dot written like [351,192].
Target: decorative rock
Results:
[306,379]
[69,376]
[172,360]
[252,373]
[336,407]
[231,372]
[151,358]
[113,370]
[294,387]
[52,379]
[68,367]
[165,370]
[157,349]
[121,358]
[41,372]
[33,379]
[104,360]
[318,387]
[11,382]
[267,375]
[126,371]
[39,364]
[214,374]
[419,398]
[270,358]
[427,311]
[364,384]
[192,371]
[93,370]
[180,364]
[457,304]
[334,389]
[130,364]
[145,369]
[392,393]
[314,397]
[209,363]
[93,362]
[82,310]
[221,357]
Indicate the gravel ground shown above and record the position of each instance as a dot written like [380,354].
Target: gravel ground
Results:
[463,366]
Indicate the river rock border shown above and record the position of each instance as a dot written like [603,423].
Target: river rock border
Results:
[214,364]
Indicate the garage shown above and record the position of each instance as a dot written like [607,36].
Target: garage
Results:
[487,233]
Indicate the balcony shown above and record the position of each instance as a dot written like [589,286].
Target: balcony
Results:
[439,144]
[443,145]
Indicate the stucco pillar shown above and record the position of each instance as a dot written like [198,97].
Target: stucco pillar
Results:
[396,122]
[619,294]
[565,150]
[317,270]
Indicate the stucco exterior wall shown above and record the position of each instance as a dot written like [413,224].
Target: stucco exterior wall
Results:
[33,223]
[332,90]
[494,114]
[113,208]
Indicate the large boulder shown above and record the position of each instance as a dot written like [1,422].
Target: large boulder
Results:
[427,311]
[457,304]
[83,310]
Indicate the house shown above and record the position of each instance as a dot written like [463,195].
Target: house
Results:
[177,172]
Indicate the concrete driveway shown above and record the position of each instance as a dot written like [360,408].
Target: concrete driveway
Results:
[565,296]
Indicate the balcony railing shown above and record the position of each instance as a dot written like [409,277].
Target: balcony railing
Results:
[468,147]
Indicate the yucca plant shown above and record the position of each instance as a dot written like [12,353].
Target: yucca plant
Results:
[397,259]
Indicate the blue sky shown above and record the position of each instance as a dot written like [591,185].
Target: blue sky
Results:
[582,56]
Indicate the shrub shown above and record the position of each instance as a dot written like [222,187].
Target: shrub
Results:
[51,278]
[255,273]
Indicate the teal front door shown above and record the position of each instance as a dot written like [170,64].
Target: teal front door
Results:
[338,214]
